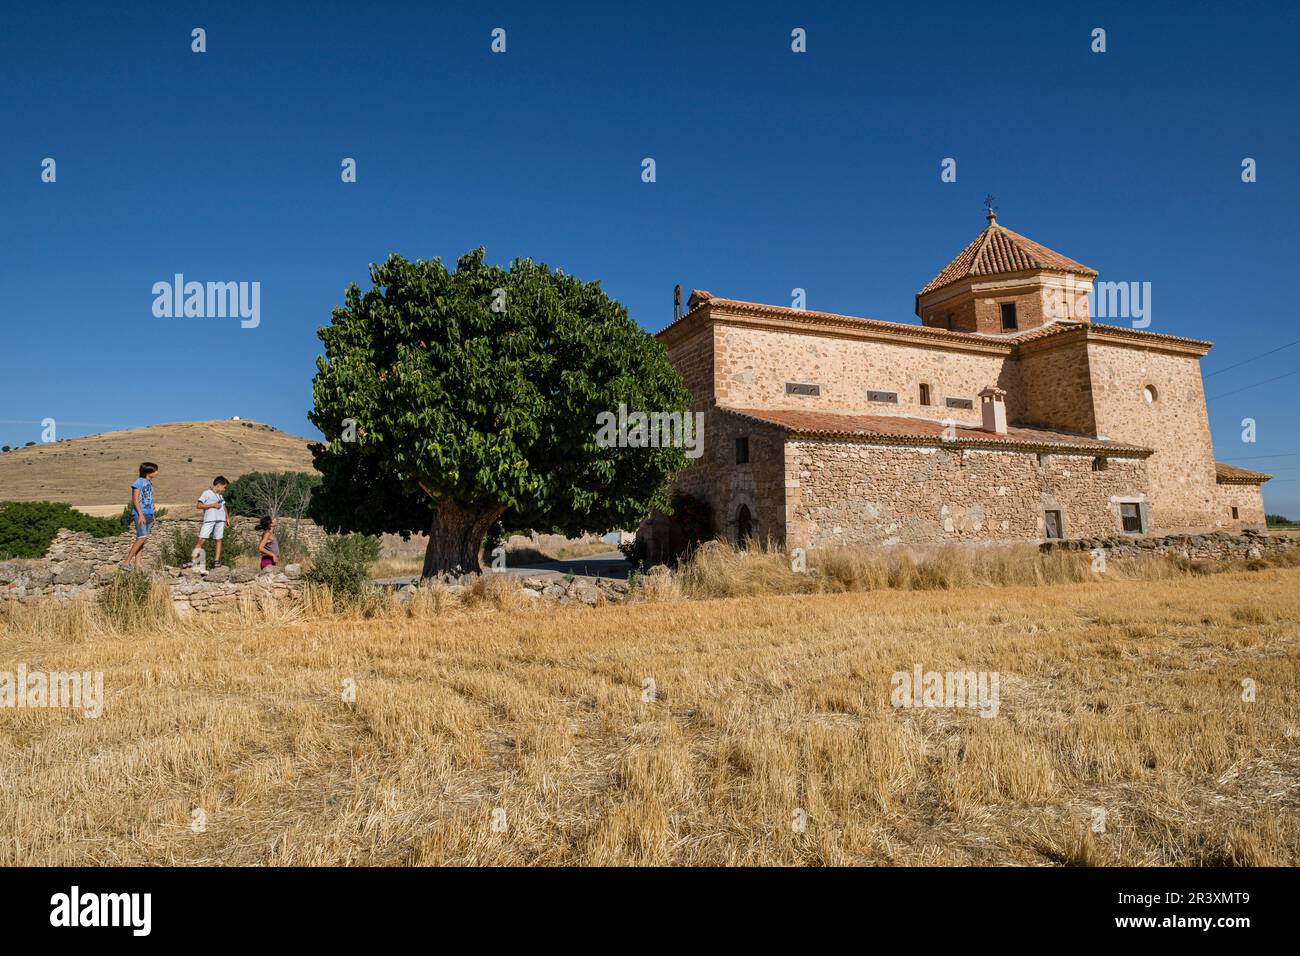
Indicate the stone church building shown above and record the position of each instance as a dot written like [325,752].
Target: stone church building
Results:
[1006,414]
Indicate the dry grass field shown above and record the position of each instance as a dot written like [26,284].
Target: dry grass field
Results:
[487,733]
[94,473]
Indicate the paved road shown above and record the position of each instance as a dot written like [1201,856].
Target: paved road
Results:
[610,565]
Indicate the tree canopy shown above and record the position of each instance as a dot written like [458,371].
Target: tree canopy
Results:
[450,400]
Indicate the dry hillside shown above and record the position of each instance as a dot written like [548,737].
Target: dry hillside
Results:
[96,471]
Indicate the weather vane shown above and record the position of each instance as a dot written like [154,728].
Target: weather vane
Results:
[990,210]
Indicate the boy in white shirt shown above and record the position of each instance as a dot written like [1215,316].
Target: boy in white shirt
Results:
[213,505]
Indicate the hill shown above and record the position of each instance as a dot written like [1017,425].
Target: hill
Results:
[94,473]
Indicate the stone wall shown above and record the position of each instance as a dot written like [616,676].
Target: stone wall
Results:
[77,565]
[1249,545]
[1183,486]
[754,365]
[79,546]
[1247,499]
[1056,385]
[858,494]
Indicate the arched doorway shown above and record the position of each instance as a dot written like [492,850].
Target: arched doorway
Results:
[744,526]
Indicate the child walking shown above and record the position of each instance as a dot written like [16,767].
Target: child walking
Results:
[141,509]
[267,546]
[213,505]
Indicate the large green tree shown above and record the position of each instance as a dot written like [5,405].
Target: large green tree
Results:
[451,400]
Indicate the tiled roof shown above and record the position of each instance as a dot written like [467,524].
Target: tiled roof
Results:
[700,300]
[1061,326]
[903,430]
[1232,475]
[997,250]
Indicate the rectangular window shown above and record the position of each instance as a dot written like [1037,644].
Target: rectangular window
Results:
[1008,316]
[925,394]
[1130,517]
[742,450]
[890,397]
[801,388]
[1234,514]
[959,402]
[1052,524]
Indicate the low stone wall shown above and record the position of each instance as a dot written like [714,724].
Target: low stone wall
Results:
[66,582]
[1247,545]
[78,546]
[547,586]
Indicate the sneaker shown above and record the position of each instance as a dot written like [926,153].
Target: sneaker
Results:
[187,565]
[216,564]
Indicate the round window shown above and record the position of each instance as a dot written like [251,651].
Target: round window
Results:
[1149,393]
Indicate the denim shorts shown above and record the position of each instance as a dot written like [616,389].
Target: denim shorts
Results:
[142,530]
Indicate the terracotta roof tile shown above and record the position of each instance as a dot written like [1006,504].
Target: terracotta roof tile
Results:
[1226,474]
[997,250]
[903,430]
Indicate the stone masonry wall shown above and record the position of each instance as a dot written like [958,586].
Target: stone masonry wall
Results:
[77,565]
[1248,545]
[858,494]
[1183,487]
[1247,499]
[754,365]
[68,546]
[1056,385]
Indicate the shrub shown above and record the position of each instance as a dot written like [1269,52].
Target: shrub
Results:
[28,527]
[127,517]
[284,494]
[341,564]
[179,545]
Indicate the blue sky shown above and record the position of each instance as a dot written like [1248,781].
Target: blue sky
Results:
[774,170]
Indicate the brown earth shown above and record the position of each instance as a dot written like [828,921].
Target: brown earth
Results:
[94,473]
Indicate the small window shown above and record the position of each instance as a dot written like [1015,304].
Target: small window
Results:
[1052,524]
[1100,464]
[1149,393]
[1130,517]
[742,450]
[925,394]
[1008,316]
[959,402]
[1234,514]
[947,321]
[888,397]
[802,388]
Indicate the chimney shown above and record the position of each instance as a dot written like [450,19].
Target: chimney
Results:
[993,407]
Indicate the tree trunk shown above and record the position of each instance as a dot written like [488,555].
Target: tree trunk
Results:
[455,537]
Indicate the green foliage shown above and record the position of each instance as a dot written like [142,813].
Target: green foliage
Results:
[127,517]
[492,411]
[28,527]
[1280,521]
[283,494]
[179,545]
[341,563]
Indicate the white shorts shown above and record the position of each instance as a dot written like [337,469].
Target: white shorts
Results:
[212,529]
